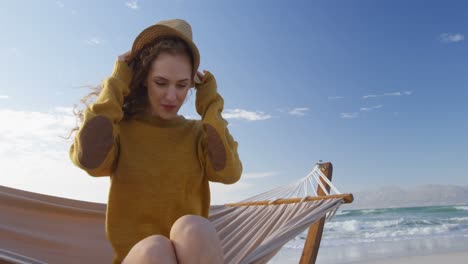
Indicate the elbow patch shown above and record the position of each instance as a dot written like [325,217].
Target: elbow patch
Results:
[216,150]
[96,140]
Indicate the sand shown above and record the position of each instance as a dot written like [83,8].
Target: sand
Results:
[449,258]
[400,252]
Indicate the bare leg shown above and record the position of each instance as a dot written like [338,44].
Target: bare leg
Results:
[195,241]
[153,249]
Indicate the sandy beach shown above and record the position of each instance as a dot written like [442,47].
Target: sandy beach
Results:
[452,258]
[290,256]
[423,250]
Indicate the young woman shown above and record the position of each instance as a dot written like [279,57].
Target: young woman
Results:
[159,163]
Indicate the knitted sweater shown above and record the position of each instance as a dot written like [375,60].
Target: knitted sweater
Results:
[159,168]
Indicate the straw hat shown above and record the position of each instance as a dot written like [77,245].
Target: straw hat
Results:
[173,27]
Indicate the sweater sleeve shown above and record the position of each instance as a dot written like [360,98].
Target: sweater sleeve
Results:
[219,149]
[95,147]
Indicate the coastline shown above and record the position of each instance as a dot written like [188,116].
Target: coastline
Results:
[427,251]
[453,258]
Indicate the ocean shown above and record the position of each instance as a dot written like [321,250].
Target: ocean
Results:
[364,235]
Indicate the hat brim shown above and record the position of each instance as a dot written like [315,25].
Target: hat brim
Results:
[151,33]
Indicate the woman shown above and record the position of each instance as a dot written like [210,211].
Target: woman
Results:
[160,163]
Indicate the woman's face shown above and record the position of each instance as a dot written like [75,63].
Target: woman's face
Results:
[168,81]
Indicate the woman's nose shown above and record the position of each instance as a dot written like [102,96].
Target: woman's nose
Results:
[171,94]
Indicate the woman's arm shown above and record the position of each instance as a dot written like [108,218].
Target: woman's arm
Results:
[95,146]
[222,163]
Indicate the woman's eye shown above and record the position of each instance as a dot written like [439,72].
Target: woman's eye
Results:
[181,86]
[159,83]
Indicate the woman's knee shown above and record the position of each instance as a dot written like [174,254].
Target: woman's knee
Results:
[195,240]
[192,226]
[153,249]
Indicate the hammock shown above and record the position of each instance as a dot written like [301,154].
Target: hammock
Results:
[37,228]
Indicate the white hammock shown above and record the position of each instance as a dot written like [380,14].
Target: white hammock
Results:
[36,228]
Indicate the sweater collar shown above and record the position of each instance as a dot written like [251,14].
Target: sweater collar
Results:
[160,122]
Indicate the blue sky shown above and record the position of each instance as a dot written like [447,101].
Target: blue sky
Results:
[379,88]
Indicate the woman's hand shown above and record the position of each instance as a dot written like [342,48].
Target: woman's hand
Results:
[199,77]
[125,56]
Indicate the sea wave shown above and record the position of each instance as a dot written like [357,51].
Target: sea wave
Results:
[394,229]
[342,213]
[357,225]
[403,210]
[392,224]
[458,219]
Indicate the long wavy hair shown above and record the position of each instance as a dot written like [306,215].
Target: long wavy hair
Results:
[137,100]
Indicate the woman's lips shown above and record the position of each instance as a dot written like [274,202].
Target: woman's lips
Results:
[169,107]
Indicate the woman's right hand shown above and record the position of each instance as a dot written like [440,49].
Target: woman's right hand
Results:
[125,56]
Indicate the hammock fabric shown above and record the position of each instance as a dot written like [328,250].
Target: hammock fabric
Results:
[37,228]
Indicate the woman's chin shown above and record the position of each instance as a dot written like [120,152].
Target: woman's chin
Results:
[167,116]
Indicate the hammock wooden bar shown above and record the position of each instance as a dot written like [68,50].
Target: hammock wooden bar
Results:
[347,198]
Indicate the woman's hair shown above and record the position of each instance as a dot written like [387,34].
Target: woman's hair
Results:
[137,100]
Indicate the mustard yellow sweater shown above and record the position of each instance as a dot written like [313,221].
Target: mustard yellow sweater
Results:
[159,168]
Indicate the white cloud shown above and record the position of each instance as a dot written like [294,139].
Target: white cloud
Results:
[132,4]
[451,38]
[65,110]
[241,190]
[349,115]
[367,109]
[22,126]
[60,4]
[93,41]
[229,193]
[34,155]
[298,111]
[392,94]
[3,96]
[257,175]
[246,115]
[369,96]
[387,94]
[335,97]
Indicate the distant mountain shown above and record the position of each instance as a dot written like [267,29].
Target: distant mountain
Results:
[424,195]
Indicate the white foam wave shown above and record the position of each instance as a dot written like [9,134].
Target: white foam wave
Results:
[346,226]
[342,213]
[355,225]
[464,208]
[411,232]
[459,219]
[369,211]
